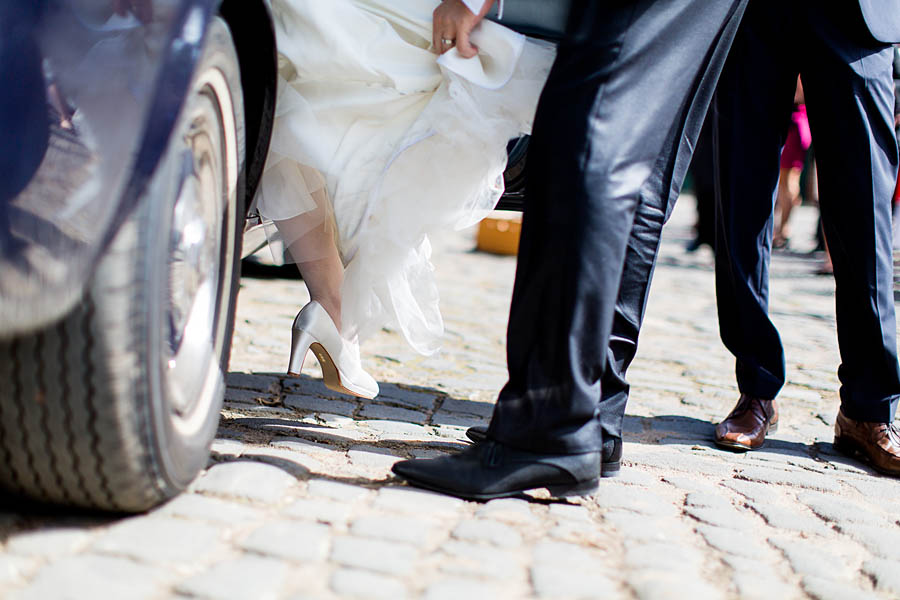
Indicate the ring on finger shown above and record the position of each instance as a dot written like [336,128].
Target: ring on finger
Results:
[448,42]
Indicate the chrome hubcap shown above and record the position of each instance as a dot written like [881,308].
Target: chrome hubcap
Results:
[202,164]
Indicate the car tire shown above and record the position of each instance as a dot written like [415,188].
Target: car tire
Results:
[115,406]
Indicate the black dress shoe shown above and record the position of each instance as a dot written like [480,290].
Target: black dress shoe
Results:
[491,470]
[611,455]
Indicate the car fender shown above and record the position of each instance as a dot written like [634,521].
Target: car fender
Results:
[251,26]
[42,278]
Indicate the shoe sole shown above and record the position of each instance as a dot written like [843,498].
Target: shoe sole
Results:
[610,469]
[734,446]
[851,449]
[331,376]
[584,488]
[607,469]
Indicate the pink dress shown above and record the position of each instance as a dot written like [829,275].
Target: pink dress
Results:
[799,139]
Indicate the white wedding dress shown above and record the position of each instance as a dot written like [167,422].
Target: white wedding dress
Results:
[374,131]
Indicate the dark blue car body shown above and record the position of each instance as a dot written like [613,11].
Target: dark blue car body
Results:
[64,191]
[134,134]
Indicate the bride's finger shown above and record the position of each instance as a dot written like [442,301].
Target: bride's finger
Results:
[445,41]
[438,32]
[465,48]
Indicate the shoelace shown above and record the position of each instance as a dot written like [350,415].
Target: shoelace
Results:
[893,433]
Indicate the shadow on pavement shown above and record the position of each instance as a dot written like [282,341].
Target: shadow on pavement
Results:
[417,407]
[18,516]
[389,481]
[396,401]
[401,416]
[664,430]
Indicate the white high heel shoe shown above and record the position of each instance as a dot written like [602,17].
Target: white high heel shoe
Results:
[342,371]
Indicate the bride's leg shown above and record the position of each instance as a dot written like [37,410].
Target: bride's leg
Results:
[309,238]
[324,272]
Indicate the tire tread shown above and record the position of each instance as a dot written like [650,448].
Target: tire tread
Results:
[76,405]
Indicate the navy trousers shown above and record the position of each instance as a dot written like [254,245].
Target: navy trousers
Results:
[847,83]
[612,139]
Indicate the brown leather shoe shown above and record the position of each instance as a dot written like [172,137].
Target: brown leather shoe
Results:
[876,443]
[748,424]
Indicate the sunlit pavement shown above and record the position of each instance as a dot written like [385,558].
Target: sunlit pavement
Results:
[298,500]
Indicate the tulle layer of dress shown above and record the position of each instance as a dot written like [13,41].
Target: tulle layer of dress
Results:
[377,137]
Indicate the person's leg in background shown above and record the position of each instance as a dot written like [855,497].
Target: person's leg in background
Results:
[847,82]
[793,158]
[787,194]
[849,86]
[787,197]
[754,101]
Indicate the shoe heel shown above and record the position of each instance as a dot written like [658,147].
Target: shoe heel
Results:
[582,488]
[610,469]
[300,343]
[845,447]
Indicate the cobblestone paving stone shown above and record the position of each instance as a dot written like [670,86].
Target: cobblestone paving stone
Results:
[298,501]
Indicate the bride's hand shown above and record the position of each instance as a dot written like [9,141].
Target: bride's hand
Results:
[453,23]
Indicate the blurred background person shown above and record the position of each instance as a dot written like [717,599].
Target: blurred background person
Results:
[793,159]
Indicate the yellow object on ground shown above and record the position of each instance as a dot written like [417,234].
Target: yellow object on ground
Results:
[499,233]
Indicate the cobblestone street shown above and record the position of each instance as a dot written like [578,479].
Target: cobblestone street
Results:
[298,501]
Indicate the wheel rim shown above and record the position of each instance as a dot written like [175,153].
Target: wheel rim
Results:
[202,163]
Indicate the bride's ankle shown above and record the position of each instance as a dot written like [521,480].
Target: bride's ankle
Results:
[333,308]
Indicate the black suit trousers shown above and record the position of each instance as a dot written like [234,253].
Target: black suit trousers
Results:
[847,83]
[612,139]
